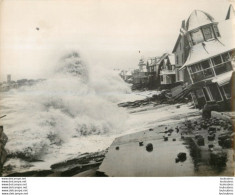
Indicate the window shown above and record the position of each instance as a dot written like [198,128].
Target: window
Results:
[225,67]
[161,78]
[217,60]
[216,30]
[227,91]
[201,71]
[208,73]
[198,67]
[177,60]
[197,36]
[206,94]
[207,32]
[205,64]
[215,93]
[225,57]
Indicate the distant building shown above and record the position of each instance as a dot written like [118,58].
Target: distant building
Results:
[210,62]
[140,76]
[168,70]
[8,78]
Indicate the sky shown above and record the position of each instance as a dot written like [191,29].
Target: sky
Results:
[34,34]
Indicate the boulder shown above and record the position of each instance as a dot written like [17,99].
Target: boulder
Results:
[149,147]
[182,156]
[218,159]
[201,141]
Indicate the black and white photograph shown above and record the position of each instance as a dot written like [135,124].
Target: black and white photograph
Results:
[108,88]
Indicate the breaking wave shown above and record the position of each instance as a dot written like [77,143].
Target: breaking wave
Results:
[73,103]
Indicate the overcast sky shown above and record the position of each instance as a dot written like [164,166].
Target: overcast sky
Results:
[108,33]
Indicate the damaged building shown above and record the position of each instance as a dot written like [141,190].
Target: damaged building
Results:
[210,61]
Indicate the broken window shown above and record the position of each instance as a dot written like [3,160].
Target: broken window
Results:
[208,34]
[227,91]
[216,60]
[197,36]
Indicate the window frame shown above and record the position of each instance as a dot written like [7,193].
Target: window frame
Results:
[211,31]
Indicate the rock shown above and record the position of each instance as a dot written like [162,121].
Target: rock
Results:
[212,129]
[201,141]
[165,139]
[211,137]
[218,159]
[149,147]
[197,136]
[182,156]
[174,140]
[210,146]
[150,129]
[141,143]
[178,106]
[117,148]
[177,130]
[228,143]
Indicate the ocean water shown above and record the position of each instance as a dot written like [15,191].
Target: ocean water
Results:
[73,112]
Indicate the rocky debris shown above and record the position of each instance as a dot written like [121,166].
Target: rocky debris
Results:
[210,146]
[181,157]
[3,153]
[141,143]
[117,148]
[200,141]
[165,139]
[225,141]
[177,129]
[174,140]
[163,98]
[218,158]
[149,147]
[211,137]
